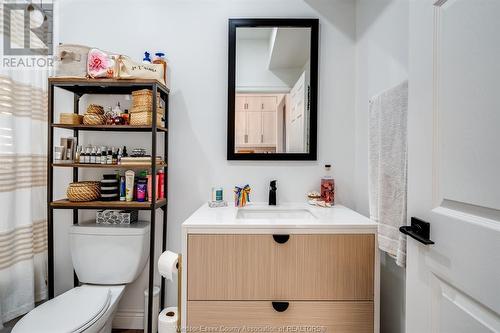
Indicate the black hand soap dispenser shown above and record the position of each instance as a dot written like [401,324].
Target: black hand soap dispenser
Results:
[272,193]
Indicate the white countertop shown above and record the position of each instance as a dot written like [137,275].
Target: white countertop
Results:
[337,218]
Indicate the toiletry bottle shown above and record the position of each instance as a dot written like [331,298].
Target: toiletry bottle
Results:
[126,117]
[217,194]
[146,59]
[92,155]
[98,156]
[124,152]
[103,155]
[129,185]
[114,158]
[150,187]
[122,188]
[160,59]
[78,153]
[117,110]
[109,156]
[119,158]
[157,176]
[87,155]
[141,190]
[161,182]
[83,156]
[328,186]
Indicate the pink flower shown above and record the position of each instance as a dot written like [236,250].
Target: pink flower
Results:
[97,61]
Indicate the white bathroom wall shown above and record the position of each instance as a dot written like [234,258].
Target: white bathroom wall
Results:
[381,63]
[194,36]
[252,69]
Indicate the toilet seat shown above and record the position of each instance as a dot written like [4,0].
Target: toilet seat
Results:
[74,311]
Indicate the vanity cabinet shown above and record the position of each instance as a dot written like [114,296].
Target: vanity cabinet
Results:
[322,278]
[258,267]
[328,317]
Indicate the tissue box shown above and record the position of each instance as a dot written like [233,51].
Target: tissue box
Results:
[116,216]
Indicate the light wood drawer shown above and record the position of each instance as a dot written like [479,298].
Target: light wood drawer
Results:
[257,267]
[261,317]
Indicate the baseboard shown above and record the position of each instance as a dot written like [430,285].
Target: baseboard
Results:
[130,319]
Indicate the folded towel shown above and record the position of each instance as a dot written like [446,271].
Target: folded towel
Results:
[388,168]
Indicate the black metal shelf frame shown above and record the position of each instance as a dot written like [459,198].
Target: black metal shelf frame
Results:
[79,89]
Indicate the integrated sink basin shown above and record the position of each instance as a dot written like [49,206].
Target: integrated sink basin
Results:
[274,214]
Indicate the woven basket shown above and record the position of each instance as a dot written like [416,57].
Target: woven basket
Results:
[145,118]
[94,119]
[146,108]
[143,98]
[83,191]
[70,119]
[95,109]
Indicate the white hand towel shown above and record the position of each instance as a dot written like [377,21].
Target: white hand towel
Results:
[388,168]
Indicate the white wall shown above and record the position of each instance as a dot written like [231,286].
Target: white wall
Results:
[381,63]
[252,70]
[194,36]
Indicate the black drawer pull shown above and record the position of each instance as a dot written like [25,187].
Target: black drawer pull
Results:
[281,239]
[280,306]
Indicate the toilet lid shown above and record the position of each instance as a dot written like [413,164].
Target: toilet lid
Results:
[74,311]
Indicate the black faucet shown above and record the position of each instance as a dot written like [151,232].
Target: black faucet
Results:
[272,193]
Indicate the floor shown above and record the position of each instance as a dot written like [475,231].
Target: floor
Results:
[9,325]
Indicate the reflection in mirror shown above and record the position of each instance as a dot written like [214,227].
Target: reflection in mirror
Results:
[272,89]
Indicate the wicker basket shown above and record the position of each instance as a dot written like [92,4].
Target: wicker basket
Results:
[145,118]
[95,109]
[94,119]
[70,119]
[142,100]
[84,191]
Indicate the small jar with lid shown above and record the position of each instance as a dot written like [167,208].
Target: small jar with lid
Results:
[328,186]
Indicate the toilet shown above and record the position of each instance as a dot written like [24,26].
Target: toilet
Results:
[106,258]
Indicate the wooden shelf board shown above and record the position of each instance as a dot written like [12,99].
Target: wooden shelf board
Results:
[108,166]
[66,204]
[86,84]
[117,128]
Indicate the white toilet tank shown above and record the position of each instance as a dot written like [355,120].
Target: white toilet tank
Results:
[109,253]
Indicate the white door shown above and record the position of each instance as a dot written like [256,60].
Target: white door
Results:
[296,131]
[453,286]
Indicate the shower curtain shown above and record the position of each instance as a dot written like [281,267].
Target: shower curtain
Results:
[23,165]
[23,162]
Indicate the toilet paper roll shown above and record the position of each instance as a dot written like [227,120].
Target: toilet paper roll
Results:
[167,320]
[168,264]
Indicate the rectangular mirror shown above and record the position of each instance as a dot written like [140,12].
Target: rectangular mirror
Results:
[272,89]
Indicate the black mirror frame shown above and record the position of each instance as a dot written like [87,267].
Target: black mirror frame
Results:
[313,92]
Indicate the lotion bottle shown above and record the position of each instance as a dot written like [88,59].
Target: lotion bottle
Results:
[129,185]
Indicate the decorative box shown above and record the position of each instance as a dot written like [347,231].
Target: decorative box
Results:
[116,216]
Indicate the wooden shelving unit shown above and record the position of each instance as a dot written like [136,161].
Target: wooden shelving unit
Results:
[108,166]
[113,128]
[66,204]
[80,87]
